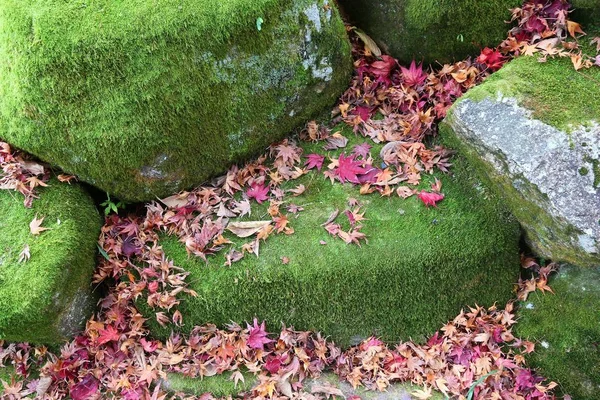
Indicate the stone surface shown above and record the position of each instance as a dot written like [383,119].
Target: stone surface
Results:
[143,99]
[547,169]
[566,329]
[47,298]
[419,267]
[432,30]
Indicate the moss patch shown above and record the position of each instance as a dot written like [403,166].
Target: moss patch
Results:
[36,296]
[566,327]
[142,98]
[419,268]
[222,386]
[432,30]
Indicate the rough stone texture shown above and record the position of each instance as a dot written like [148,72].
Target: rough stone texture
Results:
[142,99]
[543,165]
[566,329]
[47,298]
[546,168]
[432,30]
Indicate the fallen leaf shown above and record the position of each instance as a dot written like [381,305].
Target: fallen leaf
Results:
[246,228]
[35,226]
[24,256]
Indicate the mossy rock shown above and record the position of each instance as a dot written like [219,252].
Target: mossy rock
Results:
[532,130]
[566,328]
[432,30]
[223,386]
[47,298]
[586,12]
[419,268]
[142,99]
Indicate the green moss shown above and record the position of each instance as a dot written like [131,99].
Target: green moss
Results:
[554,91]
[583,171]
[419,267]
[142,99]
[36,295]
[432,30]
[218,385]
[566,327]
[222,386]
[586,11]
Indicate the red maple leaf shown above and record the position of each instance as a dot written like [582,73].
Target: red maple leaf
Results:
[314,161]
[430,199]
[493,59]
[258,192]
[109,334]
[348,169]
[413,75]
[85,388]
[258,336]
[383,69]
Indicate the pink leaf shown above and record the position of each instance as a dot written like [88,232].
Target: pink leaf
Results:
[258,192]
[430,199]
[258,336]
[314,161]
[85,389]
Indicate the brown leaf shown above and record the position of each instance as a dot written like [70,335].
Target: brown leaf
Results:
[574,28]
[176,201]
[369,43]
[246,228]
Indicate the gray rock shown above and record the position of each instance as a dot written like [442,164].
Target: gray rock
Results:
[548,176]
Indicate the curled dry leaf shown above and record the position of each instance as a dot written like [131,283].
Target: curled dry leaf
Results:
[246,228]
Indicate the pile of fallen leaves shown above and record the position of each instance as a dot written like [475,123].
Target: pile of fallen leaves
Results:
[388,104]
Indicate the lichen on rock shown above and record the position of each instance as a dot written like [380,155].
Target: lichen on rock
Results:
[532,130]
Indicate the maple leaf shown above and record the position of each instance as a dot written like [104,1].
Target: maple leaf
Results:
[315,161]
[574,28]
[493,59]
[258,192]
[110,334]
[348,169]
[596,41]
[84,389]
[430,199]
[257,338]
[383,69]
[336,141]
[35,226]
[413,75]
[362,150]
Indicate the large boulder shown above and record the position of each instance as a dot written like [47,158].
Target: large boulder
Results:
[46,294]
[566,329]
[419,268]
[142,99]
[532,129]
[432,30]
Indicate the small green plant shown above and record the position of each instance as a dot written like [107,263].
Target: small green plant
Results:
[111,206]
[460,38]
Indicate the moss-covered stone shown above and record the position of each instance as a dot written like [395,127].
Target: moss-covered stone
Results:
[223,386]
[142,98]
[586,12]
[566,328]
[47,298]
[532,129]
[432,30]
[418,269]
